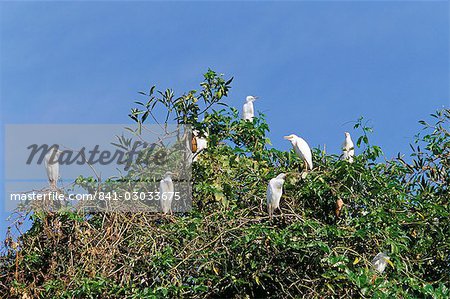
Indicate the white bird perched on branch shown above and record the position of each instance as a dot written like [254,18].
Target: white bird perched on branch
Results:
[166,191]
[302,149]
[198,143]
[52,166]
[348,148]
[274,192]
[247,110]
[380,261]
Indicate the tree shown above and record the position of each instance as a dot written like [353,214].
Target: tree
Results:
[227,247]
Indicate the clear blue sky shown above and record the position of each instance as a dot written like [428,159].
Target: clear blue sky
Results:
[315,65]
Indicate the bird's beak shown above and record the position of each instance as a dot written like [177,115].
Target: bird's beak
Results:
[389,262]
[287,137]
[255,97]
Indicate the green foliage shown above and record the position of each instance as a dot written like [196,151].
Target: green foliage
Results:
[227,247]
[186,108]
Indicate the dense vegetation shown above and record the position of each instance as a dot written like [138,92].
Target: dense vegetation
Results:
[227,247]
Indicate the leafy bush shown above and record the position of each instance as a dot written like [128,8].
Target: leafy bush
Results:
[227,247]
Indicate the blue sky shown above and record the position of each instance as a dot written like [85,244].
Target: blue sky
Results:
[316,66]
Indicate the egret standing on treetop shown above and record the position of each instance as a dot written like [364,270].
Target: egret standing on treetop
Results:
[274,192]
[52,166]
[302,149]
[198,143]
[166,191]
[247,110]
[348,148]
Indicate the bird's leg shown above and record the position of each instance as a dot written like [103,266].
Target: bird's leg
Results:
[281,212]
[57,204]
[305,170]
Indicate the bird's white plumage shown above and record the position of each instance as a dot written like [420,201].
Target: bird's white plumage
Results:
[274,192]
[348,148]
[202,143]
[247,110]
[379,262]
[166,191]
[52,167]
[302,149]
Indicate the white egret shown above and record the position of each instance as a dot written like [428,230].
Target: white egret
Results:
[166,191]
[302,149]
[348,148]
[52,167]
[198,143]
[247,110]
[380,261]
[274,192]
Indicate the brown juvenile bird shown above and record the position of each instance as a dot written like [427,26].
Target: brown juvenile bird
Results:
[339,206]
[194,144]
